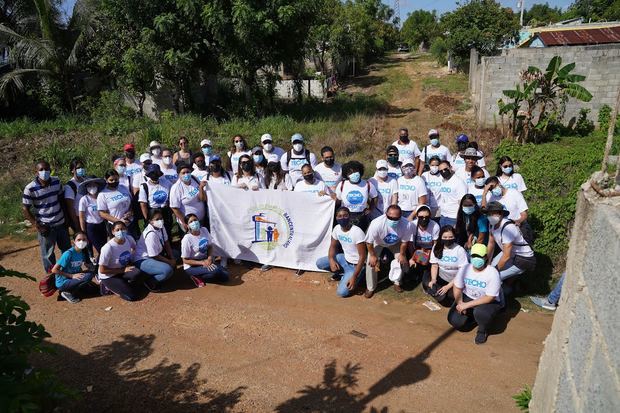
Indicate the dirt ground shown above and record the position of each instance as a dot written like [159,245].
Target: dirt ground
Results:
[274,342]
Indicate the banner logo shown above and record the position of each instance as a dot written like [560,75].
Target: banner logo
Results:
[273,227]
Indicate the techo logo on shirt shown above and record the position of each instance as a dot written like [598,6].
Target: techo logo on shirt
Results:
[344,238]
[433,184]
[445,189]
[449,259]
[160,197]
[475,283]
[203,245]
[355,197]
[124,258]
[405,187]
[510,186]
[391,238]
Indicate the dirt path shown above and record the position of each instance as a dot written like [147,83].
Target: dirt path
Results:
[271,342]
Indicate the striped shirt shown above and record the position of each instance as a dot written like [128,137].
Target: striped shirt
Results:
[45,200]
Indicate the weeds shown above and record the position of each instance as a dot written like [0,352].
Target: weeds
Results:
[457,83]
[523,398]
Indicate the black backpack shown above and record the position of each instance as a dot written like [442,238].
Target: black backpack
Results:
[524,229]
[290,154]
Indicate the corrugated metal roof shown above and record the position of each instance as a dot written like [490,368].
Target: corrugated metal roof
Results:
[580,37]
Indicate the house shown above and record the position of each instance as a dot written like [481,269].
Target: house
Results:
[578,35]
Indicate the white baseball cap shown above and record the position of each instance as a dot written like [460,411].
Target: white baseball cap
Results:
[433,132]
[205,142]
[407,162]
[266,137]
[145,157]
[154,143]
[382,163]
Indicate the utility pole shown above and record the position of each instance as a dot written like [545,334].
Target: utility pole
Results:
[397,12]
[521,5]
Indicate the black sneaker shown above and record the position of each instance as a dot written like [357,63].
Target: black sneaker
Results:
[481,338]
[152,285]
[299,273]
[336,277]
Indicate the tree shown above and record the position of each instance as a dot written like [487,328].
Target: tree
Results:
[420,28]
[481,24]
[594,10]
[542,14]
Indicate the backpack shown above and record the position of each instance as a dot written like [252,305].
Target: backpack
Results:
[71,185]
[525,231]
[47,285]
[290,154]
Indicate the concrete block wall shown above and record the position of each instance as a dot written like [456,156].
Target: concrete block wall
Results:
[600,65]
[580,364]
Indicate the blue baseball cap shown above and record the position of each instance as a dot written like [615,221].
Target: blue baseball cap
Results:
[216,158]
[462,138]
[153,171]
[298,137]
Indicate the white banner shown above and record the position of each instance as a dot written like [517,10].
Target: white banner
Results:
[280,228]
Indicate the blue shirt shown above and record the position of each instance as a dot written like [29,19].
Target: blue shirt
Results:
[70,262]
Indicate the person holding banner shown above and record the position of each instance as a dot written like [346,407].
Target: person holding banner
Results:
[246,176]
[350,262]
[310,184]
[391,231]
[216,172]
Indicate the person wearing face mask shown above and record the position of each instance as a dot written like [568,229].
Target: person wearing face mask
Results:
[154,255]
[472,226]
[512,200]
[345,266]
[120,165]
[356,194]
[260,162]
[155,152]
[329,171]
[132,166]
[199,263]
[424,234]
[458,161]
[311,185]
[168,169]
[246,176]
[476,187]
[435,149]
[481,163]
[508,178]
[451,192]
[139,178]
[114,203]
[407,149]
[295,158]
[433,180]
[206,147]
[187,196]
[272,153]
[394,165]
[216,173]
[477,289]
[155,194]
[471,157]
[386,187]
[116,273]
[43,195]
[184,154]
[72,198]
[411,190]
[91,222]
[516,256]
[71,273]
[393,232]
[276,178]
[447,258]
[200,168]
[239,148]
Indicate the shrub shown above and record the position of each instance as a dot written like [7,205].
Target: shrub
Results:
[439,50]
[523,398]
[604,115]
[584,126]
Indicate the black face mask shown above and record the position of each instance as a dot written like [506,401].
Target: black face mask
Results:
[404,138]
[246,167]
[461,146]
[423,221]
[113,185]
[393,159]
[309,177]
[200,165]
[448,242]
[445,173]
[329,162]
[130,155]
[215,167]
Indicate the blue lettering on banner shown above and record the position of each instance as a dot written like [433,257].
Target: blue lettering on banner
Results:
[391,238]
[355,197]
[203,245]
[449,259]
[475,283]
[445,189]
[405,187]
[124,258]
[160,197]
[291,229]
[344,238]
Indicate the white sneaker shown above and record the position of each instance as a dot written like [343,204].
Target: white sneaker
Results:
[543,302]
[70,297]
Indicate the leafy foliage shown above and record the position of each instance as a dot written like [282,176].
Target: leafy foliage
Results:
[420,28]
[584,126]
[439,50]
[542,14]
[523,399]
[604,116]
[594,10]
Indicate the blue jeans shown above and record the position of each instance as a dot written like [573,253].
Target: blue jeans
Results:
[219,274]
[57,235]
[443,221]
[156,269]
[509,270]
[554,296]
[74,284]
[348,271]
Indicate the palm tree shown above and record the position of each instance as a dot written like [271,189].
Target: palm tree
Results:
[49,50]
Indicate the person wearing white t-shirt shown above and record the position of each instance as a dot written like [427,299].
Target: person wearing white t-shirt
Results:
[72,198]
[516,255]
[411,190]
[478,181]
[393,232]
[386,187]
[155,194]
[394,165]
[153,252]
[434,149]
[296,157]
[471,157]
[507,176]
[271,153]
[114,203]
[447,257]
[187,196]
[477,290]
[246,176]
[238,149]
[132,166]
[407,149]
[452,191]
[433,181]
[350,262]
[511,199]
[216,172]
[91,222]
[329,171]
[356,194]
[424,234]
[116,273]
[462,143]
[199,263]
[310,184]
[200,169]
[139,177]
[155,152]
[168,169]
[277,179]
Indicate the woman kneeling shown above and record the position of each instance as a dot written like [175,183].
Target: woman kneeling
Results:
[197,253]
[154,255]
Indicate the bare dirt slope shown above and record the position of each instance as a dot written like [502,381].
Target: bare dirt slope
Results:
[271,342]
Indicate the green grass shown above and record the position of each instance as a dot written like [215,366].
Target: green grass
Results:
[396,80]
[456,83]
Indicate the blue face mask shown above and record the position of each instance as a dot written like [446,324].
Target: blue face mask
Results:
[80,172]
[507,171]
[435,142]
[343,222]
[392,224]
[477,262]
[194,225]
[207,150]
[121,170]
[497,191]
[44,175]
[355,177]
[468,210]
[186,178]
[120,235]
[258,158]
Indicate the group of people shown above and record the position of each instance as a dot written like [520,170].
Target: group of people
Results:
[426,215]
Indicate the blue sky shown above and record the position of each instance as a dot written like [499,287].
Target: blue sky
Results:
[407,6]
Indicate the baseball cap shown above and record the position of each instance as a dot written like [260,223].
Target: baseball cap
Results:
[145,157]
[433,132]
[153,171]
[215,158]
[154,144]
[407,162]
[479,250]
[129,147]
[266,137]
[205,142]
[382,163]
[297,137]
[471,153]
[462,138]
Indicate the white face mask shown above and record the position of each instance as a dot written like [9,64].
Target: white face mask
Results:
[434,169]
[268,147]
[156,152]
[239,145]
[298,147]
[494,219]
[92,190]
[382,174]
[159,224]
[81,244]
[167,160]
